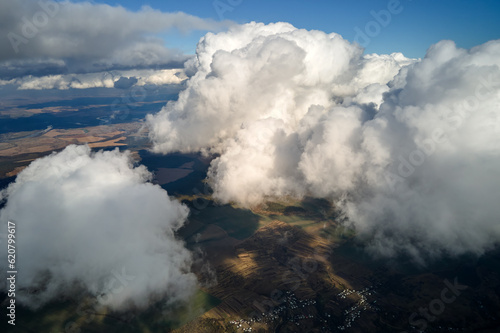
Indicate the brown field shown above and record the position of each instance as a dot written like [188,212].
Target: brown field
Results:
[16,147]
[22,112]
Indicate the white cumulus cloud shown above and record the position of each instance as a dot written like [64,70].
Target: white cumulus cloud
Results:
[409,149]
[91,222]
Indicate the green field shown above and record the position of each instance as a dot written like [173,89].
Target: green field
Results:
[238,223]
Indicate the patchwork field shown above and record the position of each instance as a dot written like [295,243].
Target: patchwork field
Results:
[285,266]
[18,149]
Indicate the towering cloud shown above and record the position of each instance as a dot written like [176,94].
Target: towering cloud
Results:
[408,148]
[90,222]
[258,71]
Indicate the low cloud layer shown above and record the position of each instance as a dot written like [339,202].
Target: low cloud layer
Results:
[50,37]
[91,222]
[110,79]
[407,148]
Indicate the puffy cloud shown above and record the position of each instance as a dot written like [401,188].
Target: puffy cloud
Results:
[256,71]
[92,222]
[408,148]
[433,156]
[78,37]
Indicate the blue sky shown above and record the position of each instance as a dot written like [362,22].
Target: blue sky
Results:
[418,24]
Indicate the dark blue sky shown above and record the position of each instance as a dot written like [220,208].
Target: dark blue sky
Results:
[416,25]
